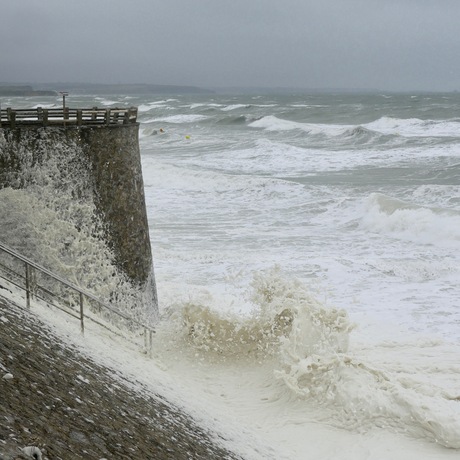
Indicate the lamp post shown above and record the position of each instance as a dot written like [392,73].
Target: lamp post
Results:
[64,94]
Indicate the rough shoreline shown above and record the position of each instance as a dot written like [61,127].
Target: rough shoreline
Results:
[72,408]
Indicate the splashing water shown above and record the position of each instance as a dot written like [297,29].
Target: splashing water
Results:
[49,215]
[284,310]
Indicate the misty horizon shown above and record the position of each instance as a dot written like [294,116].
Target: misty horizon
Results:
[358,44]
[137,88]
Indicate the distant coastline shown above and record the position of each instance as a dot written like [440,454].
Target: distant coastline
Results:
[52,89]
[24,90]
[123,88]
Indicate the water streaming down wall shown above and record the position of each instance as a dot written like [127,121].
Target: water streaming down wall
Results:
[100,151]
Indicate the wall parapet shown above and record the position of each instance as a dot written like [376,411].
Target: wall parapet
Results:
[10,118]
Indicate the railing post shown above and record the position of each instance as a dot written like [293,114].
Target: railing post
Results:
[39,114]
[27,285]
[65,115]
[151,345]
[107,116]
[82,324]
[79,117]
[45,117]
[148,342]
[11,117]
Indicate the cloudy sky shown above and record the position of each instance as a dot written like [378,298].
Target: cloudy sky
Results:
[384,44]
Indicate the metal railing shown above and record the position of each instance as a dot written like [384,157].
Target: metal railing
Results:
[10,118]
[69,298]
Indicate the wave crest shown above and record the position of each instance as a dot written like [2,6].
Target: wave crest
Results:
[286,321]
[409,221]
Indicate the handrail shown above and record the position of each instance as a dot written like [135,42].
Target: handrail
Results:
[67,116]
[30,289]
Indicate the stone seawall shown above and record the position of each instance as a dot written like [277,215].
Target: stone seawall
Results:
[110,162]
[115,160]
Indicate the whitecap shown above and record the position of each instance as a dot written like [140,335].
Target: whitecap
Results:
[178,119]
[409,221]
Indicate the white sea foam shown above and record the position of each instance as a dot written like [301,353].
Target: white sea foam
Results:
[178,119]
[235,107]
[108,102]
[154,105]
[202,104]
[412,127]
[273,123]
[45,106]
[440,227]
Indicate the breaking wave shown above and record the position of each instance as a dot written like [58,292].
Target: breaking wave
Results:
[178,119]
[284,309]
[308,344]
[412,222]
[411,127]
[380,132]
[235,106]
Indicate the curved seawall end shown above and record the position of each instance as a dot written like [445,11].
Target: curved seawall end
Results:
[88,176]
[114,158]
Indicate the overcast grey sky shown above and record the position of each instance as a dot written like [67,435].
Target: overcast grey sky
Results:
[385,44]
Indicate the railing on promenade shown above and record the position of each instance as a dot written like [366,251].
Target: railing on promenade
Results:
[67,117]
[40,283]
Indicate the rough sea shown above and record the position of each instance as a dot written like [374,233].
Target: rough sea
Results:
[306,254]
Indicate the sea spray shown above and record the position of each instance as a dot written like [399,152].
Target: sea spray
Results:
[282,308]
[49,215]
